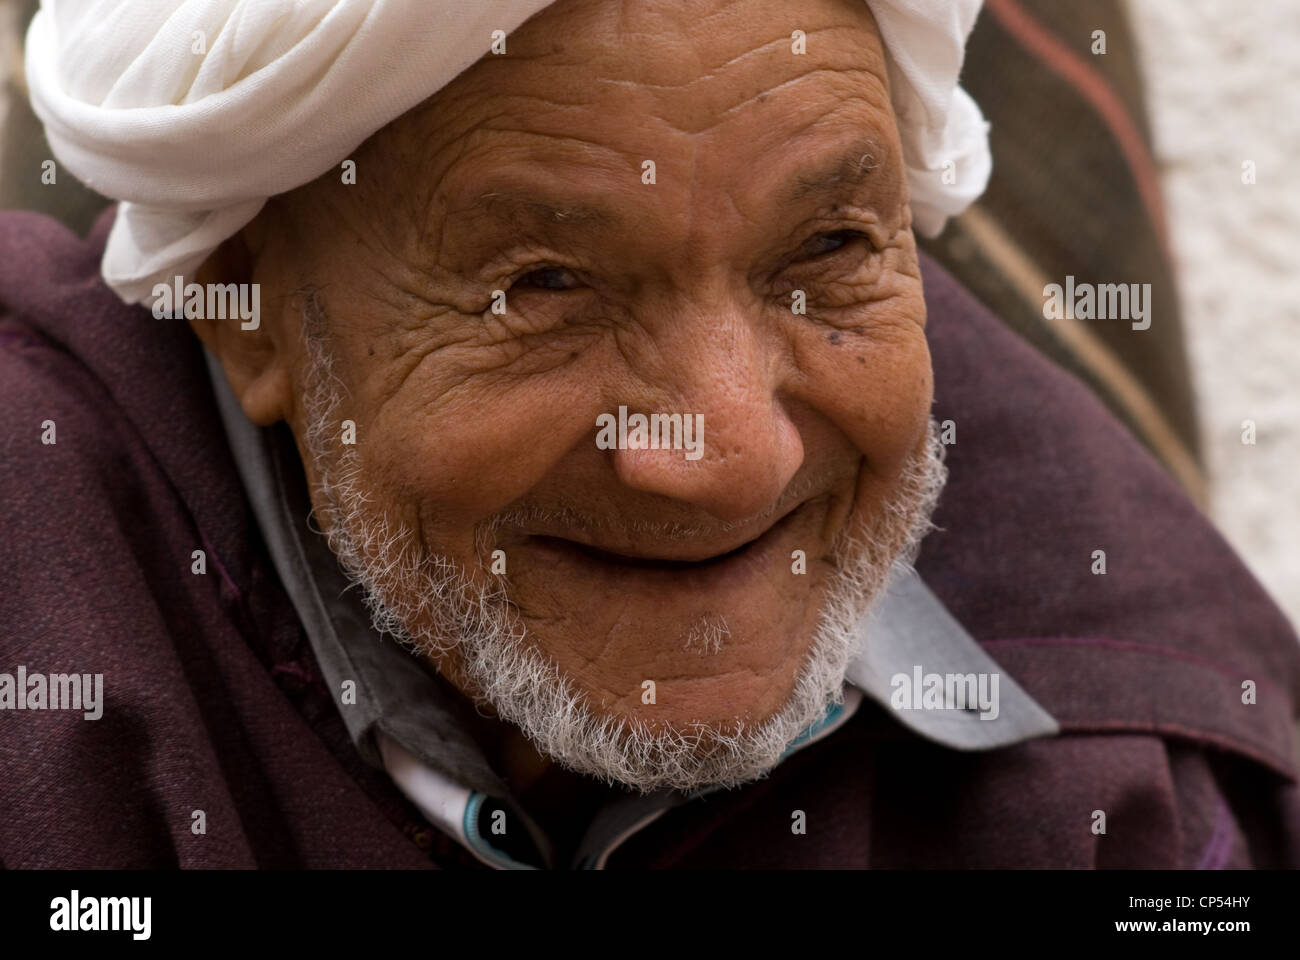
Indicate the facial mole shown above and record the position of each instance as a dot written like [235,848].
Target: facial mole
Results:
[834,338]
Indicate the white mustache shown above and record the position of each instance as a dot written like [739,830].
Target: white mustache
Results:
[529,514]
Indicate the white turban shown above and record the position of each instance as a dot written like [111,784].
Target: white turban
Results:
[193,112]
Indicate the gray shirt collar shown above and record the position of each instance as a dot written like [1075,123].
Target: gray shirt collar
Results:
[911,644]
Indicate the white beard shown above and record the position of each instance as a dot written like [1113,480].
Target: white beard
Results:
[430,604]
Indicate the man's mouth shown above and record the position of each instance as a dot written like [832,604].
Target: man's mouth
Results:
[658,563]
[698,556]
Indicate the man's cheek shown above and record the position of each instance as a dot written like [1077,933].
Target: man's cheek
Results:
[875,386]
[480,447]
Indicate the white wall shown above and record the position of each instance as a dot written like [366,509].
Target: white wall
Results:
[1223,82]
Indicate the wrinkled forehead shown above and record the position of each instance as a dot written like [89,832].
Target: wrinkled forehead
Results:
[752,96]
[694,61]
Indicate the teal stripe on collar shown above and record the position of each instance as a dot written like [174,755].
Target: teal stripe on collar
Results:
[480,845]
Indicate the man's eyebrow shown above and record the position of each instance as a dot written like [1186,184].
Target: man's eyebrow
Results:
[854,166]
[515,206]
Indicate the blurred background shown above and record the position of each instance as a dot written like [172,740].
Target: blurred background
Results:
[1122,134]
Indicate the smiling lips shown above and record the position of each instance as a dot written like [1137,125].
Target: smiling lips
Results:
[658,563]
[691,556]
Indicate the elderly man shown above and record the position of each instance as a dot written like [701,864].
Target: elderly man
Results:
[588,342]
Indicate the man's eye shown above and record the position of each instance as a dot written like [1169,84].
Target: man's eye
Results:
[548,278]
[825,243]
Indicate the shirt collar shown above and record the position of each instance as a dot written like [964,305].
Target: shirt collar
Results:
[400,719]
[921,664]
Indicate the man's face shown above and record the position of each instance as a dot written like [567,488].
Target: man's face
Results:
[686,217]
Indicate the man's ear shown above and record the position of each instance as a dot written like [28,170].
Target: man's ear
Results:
[256,365]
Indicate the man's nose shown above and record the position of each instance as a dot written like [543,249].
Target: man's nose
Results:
[749,448]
